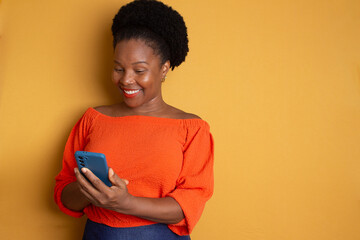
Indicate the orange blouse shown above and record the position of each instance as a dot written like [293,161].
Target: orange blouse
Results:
[159,156]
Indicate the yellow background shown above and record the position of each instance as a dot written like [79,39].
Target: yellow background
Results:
[278,81]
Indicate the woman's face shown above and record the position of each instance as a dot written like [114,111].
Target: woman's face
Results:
[138,73]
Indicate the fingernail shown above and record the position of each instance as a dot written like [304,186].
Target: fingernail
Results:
[83,170]
[111,171]
[75,170]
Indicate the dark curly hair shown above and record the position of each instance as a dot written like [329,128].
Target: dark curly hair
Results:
[162,28]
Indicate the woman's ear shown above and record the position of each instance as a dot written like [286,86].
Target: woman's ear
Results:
[165,68]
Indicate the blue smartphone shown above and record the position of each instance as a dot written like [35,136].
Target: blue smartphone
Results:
[96,162]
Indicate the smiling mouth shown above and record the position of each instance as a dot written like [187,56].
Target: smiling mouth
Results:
[130,93]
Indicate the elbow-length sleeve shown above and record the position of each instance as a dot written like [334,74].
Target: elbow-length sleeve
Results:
[75,142]
[195,183]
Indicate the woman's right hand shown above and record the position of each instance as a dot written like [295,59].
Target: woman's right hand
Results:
[116,197]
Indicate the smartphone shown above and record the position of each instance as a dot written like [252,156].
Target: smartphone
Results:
[96,162]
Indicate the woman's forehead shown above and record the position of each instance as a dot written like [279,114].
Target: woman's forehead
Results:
[134,51]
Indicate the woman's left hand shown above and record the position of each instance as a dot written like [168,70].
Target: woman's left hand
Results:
[115,198]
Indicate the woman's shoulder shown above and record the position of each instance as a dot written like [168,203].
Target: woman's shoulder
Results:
[109,110]
[189,120]
[180,114]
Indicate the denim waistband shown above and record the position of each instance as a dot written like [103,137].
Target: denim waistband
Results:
[158,231]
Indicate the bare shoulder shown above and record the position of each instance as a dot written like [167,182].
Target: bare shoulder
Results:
[109,110]
[180,114]
[190,116]
[103,109]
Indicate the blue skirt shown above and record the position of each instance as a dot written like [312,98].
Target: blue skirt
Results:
[158,231]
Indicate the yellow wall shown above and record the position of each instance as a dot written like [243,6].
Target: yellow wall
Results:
[279,82]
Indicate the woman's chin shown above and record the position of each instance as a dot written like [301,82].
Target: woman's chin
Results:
[131,103]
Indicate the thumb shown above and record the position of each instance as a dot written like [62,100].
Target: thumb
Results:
[115,180]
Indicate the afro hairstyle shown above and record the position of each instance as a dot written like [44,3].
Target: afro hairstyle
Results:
[162,28]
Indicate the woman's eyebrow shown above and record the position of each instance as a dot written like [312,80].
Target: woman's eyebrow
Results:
[139,62]
[133,63]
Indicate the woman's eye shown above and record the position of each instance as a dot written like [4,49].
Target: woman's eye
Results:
[118,70]
[139,71]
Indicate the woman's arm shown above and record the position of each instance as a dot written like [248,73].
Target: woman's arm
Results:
[72,198]
[163,210]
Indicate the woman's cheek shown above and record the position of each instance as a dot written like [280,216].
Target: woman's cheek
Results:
[115,78]
[146,80]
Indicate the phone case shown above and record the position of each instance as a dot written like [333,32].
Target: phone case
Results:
[96,162]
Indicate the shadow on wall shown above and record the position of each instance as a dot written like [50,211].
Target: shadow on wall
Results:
[104,73]
[72,228]
[1,50]
[358,77]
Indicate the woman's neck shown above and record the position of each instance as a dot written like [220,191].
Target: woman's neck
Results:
[154,107]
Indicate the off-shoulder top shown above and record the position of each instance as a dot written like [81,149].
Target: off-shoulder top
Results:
[161,157]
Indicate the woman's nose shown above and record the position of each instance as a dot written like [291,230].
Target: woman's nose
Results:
[127,78]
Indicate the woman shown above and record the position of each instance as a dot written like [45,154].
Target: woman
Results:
[160,158]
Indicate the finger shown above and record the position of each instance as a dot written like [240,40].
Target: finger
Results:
[92,186]
[82,181]
[86,188]
[88,196]
[80,178]
[116,180]
[95,181]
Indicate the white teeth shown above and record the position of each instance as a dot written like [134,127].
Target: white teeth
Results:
[131,92]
